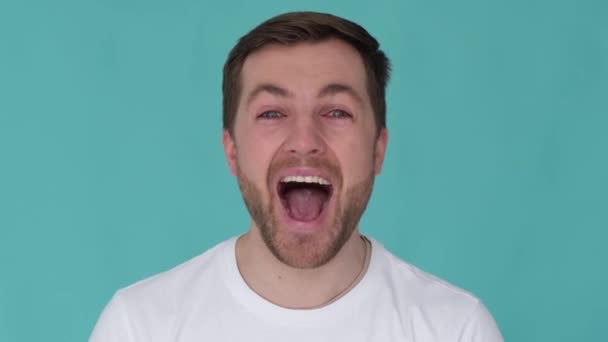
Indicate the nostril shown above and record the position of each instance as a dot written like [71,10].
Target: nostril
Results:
[311,151]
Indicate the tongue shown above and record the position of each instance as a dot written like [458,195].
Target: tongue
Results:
[305,204]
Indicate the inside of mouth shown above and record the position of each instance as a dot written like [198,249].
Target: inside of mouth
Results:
[304,201]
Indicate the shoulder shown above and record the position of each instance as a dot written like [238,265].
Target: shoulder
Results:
[432,303]
[148,309]
[171,285]
[420,287]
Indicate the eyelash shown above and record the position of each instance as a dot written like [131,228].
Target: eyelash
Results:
[264,115]
[344,114]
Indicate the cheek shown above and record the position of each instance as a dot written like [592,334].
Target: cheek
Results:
[356,159]
[254,156]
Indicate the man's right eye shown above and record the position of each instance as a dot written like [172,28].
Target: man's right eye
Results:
[271,114]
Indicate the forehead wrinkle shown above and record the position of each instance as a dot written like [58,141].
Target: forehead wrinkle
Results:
[340,88]
[270,88]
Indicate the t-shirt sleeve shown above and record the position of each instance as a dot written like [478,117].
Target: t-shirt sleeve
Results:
[480,327]
[113,324]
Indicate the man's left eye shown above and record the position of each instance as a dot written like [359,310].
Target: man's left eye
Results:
[338,113]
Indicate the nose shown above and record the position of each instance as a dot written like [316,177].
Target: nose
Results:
[304,138]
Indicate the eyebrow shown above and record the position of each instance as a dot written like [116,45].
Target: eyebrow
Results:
[327,91]
[268,88]
[340,88]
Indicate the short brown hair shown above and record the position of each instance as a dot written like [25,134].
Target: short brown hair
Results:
[295,27]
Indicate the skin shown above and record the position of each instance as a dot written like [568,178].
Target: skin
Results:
[293,118]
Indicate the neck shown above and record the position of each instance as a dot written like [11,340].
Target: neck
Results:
[300,288]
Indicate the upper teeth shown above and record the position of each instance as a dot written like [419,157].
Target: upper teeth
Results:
[305,179]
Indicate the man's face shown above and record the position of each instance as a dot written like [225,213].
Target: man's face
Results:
[305,147]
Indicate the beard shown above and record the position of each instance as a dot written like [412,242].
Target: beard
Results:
[310,250]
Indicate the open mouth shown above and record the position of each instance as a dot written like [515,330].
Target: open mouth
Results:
[304,198]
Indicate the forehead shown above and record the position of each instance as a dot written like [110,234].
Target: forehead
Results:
[306,66]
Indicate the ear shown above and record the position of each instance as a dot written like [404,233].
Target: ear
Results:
[381,143]
[229,150]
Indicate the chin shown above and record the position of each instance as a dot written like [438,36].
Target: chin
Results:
[305,245]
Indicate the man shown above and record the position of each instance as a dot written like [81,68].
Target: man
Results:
[305,135]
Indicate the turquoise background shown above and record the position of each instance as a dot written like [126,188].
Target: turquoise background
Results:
[111,166]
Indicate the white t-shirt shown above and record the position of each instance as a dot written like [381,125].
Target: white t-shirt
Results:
[206,299]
